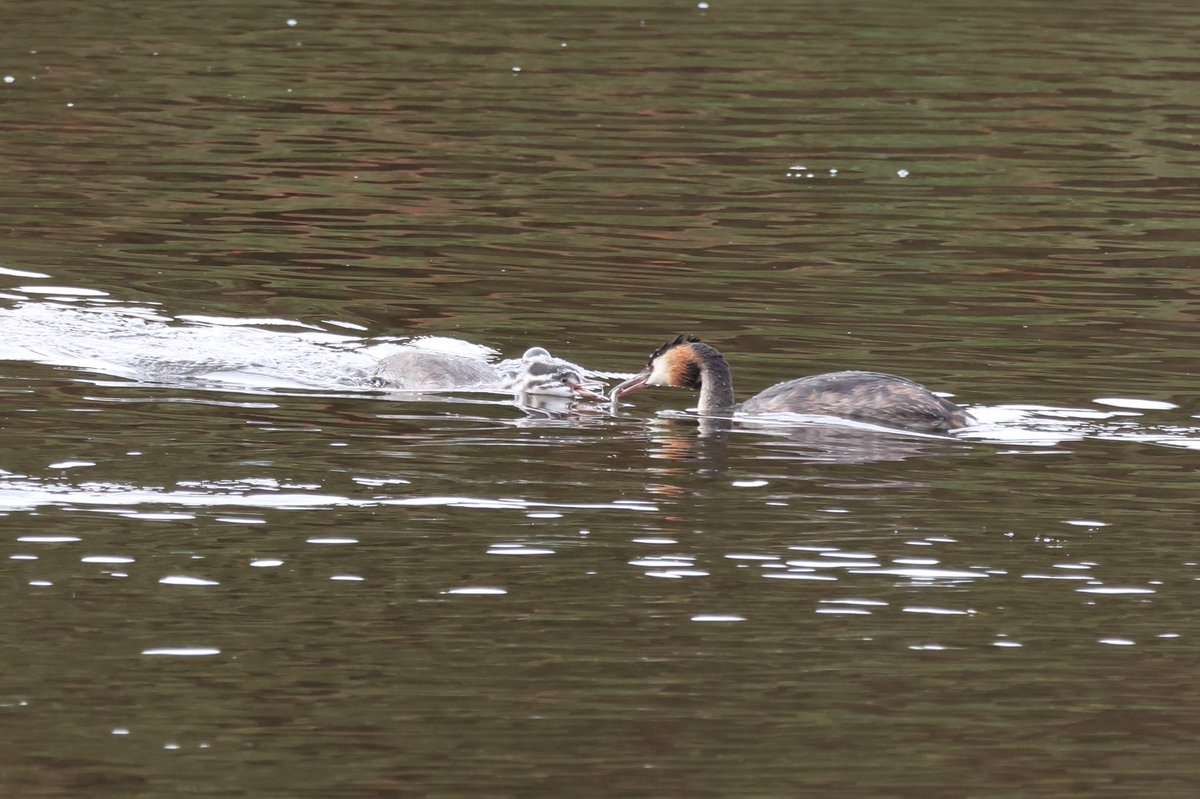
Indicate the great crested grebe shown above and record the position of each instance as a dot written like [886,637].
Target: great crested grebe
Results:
[536,372]
[888,400]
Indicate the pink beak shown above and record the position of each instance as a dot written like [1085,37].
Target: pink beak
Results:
[585,392]
[635,383]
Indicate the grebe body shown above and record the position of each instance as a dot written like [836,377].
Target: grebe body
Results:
[883,399]
[536,372]
[416,369]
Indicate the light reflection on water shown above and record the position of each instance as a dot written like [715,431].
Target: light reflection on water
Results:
[234,566]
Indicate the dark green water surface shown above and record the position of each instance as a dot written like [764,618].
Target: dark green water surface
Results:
[229,568]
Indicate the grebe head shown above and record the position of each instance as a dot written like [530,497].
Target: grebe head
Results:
[679,363]
[550,376]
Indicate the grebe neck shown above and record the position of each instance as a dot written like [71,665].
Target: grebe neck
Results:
[716,379]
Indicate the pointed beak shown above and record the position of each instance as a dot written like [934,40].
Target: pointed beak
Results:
[590,391]
[635,383]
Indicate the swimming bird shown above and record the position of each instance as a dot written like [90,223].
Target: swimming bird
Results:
[536,372]
[888,400]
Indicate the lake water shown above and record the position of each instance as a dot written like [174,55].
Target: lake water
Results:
[233,568]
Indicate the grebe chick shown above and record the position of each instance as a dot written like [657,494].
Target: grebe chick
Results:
[553,379]
[888,400]
[537,372]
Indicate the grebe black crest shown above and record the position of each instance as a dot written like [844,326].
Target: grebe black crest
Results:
[888,400]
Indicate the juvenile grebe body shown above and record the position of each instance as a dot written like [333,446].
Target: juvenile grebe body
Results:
[536,372]
[416,369]
[883,399]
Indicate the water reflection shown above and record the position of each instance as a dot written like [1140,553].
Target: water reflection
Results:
[680,437]
[19,492]
[216,223]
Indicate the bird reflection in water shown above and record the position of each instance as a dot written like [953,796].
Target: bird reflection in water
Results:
[689,438]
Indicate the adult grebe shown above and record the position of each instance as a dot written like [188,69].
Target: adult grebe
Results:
[687,362]
[536,372]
